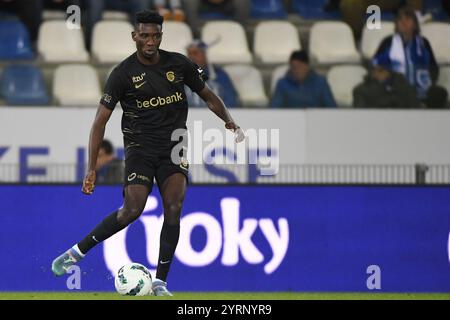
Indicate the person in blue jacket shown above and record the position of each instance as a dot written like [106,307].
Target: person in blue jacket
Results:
[217,79]
[409,53]
[302,87]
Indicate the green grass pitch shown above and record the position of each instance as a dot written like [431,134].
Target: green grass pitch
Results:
[224,296]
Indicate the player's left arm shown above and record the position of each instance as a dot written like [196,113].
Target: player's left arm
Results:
[216,105]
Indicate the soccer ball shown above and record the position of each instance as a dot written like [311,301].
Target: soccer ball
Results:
[133,280]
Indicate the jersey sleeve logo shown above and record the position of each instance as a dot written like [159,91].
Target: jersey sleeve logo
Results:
[170,76]
[107,98]
[201,74]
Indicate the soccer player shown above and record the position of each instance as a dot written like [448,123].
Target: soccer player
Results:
[150,87]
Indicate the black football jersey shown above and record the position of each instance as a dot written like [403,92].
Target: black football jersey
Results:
[152,97]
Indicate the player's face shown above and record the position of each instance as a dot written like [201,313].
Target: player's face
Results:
[148,38]
[299,69]
[197,55]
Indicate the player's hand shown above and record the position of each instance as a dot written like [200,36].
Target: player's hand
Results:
[239,135]
[89,182]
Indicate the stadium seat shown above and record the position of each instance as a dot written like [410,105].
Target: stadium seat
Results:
[249,84]
[343,79]
[111,41]
[438,33]
[58,44]
[23,85]
[371,39]
[54,15]
[227,42]
[177,35]
[267,9]
[277,74]
[313,9]
[268,33]
[76,85]
[332,42]
[444,79]
[15,41]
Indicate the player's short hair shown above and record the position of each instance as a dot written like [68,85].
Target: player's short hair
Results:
[148,16]
[107,147]
[300,55]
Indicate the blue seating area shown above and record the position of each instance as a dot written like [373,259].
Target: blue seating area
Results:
[23,85]
[267,9]
[15,41]
[25,60]
[313,9]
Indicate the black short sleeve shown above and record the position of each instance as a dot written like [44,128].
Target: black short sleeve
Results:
[194,76]
[114,90]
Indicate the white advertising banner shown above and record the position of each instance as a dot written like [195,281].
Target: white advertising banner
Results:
[40,144]
[44,142]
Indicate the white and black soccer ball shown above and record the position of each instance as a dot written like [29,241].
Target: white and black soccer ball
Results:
[133,279]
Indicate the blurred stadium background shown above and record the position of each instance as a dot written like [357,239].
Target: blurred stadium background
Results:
[355,187]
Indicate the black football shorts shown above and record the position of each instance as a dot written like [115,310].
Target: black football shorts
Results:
[143,168]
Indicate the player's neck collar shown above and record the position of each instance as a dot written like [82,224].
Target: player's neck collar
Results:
[144,61]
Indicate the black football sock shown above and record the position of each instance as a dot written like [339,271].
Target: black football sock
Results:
[168,244]
[101,232]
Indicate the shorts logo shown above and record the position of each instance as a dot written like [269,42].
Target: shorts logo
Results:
[170,76]
[144,178]
[134,175]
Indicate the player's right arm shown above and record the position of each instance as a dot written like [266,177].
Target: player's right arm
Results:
[113,93]
[95,139]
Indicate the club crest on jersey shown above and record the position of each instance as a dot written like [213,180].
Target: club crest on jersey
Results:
[170,76]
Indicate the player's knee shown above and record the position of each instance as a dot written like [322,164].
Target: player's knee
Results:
[172,212]
[174,207]
[128,215]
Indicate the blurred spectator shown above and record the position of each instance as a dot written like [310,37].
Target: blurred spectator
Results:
[302,87]
[385,89]
[170,9]
[30,13]
[354,11]
[217,9]
[60,4]
[95,10]
[217,78]
[446,6]
[409,53]
[199,10]
[109,168]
